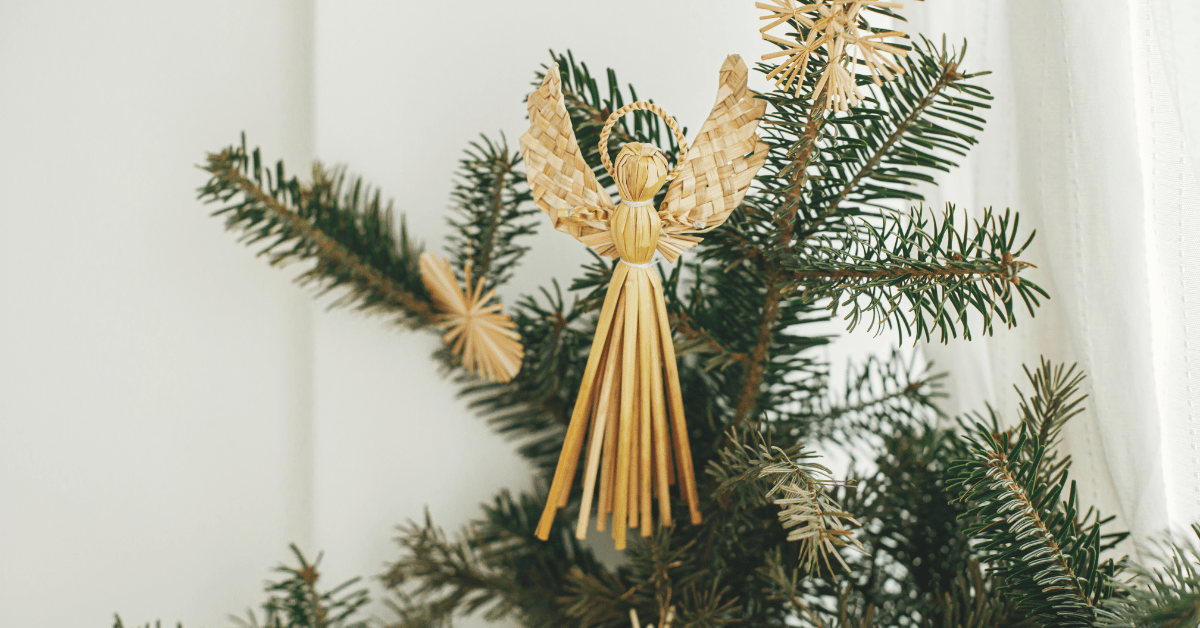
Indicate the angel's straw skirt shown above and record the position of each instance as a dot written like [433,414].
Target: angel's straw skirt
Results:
[631,411]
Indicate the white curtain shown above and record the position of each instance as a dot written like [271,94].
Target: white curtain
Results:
[1094,138]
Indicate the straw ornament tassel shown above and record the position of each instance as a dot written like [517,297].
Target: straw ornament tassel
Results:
[629,411]
[486,339]
[837,26]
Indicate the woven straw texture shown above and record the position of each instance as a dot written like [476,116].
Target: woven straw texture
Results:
[563,184]
[723,160]
[629,410]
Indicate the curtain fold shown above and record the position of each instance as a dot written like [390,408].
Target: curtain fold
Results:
[1169,103]
[1087,141]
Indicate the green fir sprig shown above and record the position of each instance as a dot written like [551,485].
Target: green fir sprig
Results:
[1165,596]
[920,274]
[296,601]
[338,223]
[752,473]
[494,565]
[922,122]
[1027,521]
[493,207]
[877,393]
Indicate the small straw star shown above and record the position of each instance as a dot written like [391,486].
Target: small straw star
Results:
[784,10]
[835,26]
[485,338]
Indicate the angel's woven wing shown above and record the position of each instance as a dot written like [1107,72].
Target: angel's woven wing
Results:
[722,162]
[563,185]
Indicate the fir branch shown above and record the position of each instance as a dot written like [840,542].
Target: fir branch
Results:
[800,155]
[866,139]
[1167,596]
[807,511]
[794,127]
[797,127]
[915,539]
[449,576]
[783,584]
[973,601]
[918,274]
[535,407]
[1045,551]
[1056,398]
[805,175]
[815,520]
[759,357]
[852,610]
[701,341]
[593,283]
[872,405]
[600,600]
[798,172]
[877,394]
[725,303]
[661,577]
[493,203]
[713,607]
[1030,539]
[338,223]
[925,113]
[774,367]
[494,565]
[296,602]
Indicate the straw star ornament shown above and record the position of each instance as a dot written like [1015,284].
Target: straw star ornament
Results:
[839,28]
[486,339]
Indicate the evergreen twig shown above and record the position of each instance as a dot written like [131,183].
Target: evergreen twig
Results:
[494,565]
[925,114]
[876,394]
[825,168]
[1047,553]
[918,274]
[296,602]
[754,472]
[493,206]
[1167,596]
[338,223]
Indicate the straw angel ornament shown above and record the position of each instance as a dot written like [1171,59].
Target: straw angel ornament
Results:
[630,409]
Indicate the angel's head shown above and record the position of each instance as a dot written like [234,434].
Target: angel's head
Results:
[641,171]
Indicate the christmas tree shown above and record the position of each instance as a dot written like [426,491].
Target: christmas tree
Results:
[950,523]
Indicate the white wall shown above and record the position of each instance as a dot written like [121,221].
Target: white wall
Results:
[154,376]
